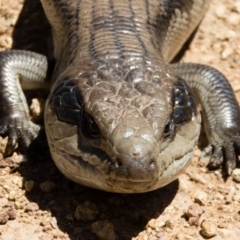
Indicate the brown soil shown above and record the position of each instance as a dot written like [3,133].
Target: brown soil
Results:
[38,202]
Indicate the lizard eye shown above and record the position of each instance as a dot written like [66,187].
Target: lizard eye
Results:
[92,128]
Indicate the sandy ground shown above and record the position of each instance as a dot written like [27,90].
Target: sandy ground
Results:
[38,202]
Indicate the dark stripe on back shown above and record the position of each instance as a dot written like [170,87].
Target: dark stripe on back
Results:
[150,26]
[114,33]
[145,51]
[91,47]
[74,36]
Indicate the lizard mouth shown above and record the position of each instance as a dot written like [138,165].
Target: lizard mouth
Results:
[101,176]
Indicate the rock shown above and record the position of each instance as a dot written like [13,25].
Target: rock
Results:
[86,211]
[18,181]
[197,178]
[233,19]
[236,175]
[194,210]
[37,107]
[53,222]
[32,206]
[220,10]
[47,186]
[208,229]
[104,230]
[12,195]
[194,221]
[236,6]
[3,202]
[226,53]
[29,185]
[169,224]
[12,213]
[201,197]
[4,217]
[8,214]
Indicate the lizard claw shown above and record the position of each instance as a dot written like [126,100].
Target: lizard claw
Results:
[19,130]
[223,153]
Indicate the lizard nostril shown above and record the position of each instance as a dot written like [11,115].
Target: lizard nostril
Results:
[152,164]
[137,170]
[135,154]
[119,162]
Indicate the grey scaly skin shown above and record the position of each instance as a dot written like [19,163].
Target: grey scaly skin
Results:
[118,116]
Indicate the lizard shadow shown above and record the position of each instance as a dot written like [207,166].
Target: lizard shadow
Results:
[128,214]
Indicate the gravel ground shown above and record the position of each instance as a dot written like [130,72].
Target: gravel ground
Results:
[38,202]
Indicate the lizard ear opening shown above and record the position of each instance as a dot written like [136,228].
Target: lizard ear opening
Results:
[169,129]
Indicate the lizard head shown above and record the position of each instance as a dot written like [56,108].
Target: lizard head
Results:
[126,136]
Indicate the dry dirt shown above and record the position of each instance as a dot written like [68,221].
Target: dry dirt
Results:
[38,202]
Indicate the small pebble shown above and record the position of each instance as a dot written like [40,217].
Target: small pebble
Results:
[29,185]
[156,224]
[12,213]
[169,224]
[104,230]
[4,141]
[220,11]
[37,107]
[226,234]
[3,217]
[230,194]
[86,211]
[195,210]
[6,42]
[47,186]
[236,175]
[7,188]
[18,205]
[152,223]
[12,195]
[3,29]
[226,53]
[3,202]
[47,228]
[20,182]
[7,170]
[201,198]
[8,214]
[197,178]
[160,235]
[194,221]
[208,229]
[236,6]
[44,222]
[69,217]
[181,236]
[233,19]
[32,206]
[236,198]
[218,196]
[53,222]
